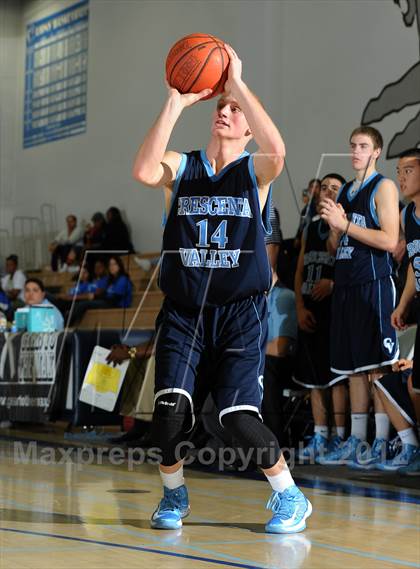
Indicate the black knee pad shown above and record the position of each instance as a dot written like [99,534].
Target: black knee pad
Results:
[253,436]
[171,420]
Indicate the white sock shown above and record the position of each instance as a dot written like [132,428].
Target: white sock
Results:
[173,480]
[359,423]
[408,437]
[321,430]
[279,482]
[382,425]
[341,432]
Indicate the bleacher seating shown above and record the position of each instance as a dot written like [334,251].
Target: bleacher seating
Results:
[115,318]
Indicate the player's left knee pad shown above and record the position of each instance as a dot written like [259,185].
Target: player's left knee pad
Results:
[253,436]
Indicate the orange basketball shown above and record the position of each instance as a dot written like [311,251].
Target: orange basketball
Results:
[197,62]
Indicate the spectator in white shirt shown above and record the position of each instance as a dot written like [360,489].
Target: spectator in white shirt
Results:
[71,237]
[13,282]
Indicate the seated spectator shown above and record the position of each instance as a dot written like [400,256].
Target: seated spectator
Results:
[13,282]
[71,237]
[100,275]
[117,294]
[119,289]
[96,232]
[86,285]
[72,264]
[117,237]
[34,293]
[82,289]
[282,335]
[5,305]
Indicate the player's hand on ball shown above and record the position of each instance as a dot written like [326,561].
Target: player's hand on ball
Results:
[234,69]
[187,99]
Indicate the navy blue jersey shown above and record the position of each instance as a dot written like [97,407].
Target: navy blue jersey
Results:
[412,236]
[357,263]
[317,262]
[213,248]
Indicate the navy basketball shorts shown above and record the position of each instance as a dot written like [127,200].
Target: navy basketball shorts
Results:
[231,339]
[394,386]
[313,362]
[362,337]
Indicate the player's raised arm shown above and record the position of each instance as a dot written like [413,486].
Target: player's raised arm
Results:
[269,159]
[154,165]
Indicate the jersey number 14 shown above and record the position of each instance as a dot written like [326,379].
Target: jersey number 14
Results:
[219,235]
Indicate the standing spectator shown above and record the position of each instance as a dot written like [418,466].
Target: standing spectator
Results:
[13,282]
[68,238]
[364,227]
[314,282]
[309,198]
[117,237]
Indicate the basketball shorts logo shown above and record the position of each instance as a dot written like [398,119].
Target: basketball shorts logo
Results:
[389,344]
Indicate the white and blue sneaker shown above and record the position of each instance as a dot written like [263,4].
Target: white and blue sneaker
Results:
[372,456]
[335,443]
[412,469]
[290,508]
[346,453]
[317,445]
[172,508]
[407,455]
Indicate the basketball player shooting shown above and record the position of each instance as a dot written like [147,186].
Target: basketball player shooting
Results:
[215,275]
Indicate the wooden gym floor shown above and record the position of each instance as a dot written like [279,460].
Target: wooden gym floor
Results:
[93,516]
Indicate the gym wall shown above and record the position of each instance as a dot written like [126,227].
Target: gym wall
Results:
[315,84]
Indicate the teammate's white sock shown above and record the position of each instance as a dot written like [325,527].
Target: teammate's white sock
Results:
[174,479]
[321,430]
[408,437]
[279,482]
[341,432]
[359,423]
[382,425]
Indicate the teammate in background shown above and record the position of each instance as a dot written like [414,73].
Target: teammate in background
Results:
[215,274]
[364,231]
[314,283]
[400,392]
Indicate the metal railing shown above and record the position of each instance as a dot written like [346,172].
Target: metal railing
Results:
[30,238]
